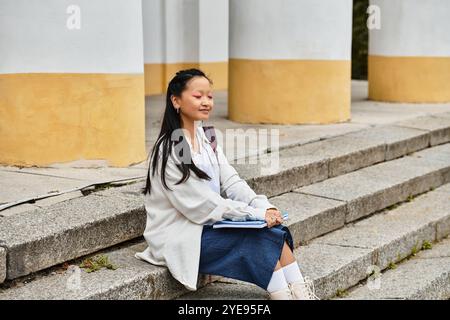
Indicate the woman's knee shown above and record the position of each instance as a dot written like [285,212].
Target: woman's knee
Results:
[278,266]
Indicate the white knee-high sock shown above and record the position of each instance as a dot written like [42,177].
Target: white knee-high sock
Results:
[292,273]
[277,282]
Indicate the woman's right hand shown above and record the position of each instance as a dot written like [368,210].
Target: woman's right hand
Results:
[273,217]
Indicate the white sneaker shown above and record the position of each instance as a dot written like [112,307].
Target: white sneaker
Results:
[303,290]
[283,294]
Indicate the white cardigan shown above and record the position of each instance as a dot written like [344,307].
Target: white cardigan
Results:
[175,218]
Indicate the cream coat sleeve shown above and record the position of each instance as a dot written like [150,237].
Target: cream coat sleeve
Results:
[198,203]
[236,188]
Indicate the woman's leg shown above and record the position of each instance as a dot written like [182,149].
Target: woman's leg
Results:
[278,285]
[290,266]
[287,257]
[301,288]
[278,266]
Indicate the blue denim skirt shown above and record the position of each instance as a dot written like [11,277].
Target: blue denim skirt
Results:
[242,253]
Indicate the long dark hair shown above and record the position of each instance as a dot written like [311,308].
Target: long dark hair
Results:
[170,123]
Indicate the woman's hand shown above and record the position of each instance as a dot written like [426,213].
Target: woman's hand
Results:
[273,217]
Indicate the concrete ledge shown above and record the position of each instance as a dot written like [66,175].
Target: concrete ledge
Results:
[437,125]
[399,141]
[134,279]
[310,216]
[42,238]
[313,162]
[379,186]
[425,276]
[403,229]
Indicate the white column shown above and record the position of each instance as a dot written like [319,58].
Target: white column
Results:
[290,61]
[409,55]
[181,34]
[71,82]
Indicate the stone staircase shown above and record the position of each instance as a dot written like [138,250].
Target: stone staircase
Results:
[425,276]
[364,199]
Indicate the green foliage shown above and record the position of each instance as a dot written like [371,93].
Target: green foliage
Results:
[341,293]
[426,245]
[96,263]
[391,207]
[392,265]
[360,40]
[414,250]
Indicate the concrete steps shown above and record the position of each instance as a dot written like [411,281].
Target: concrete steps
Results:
[328,205]
[425,276]
[344,254]
[133,279]
[36,240]
[317,161]
[344,258]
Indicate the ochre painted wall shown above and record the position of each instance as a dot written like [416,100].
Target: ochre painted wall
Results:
[47,118]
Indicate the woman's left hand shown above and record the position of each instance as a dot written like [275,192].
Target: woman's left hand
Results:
[273,217]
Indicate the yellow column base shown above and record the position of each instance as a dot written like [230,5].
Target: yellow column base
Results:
[409,79]
[289,91]
[54,118]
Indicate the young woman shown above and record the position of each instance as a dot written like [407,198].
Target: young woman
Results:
[190,186]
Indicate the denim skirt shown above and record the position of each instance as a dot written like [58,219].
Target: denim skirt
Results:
[244,254]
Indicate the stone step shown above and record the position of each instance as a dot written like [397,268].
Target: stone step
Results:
[335,261]
[426,276]
[133,279]
[376,187]
[227,289]
[317,161]
[39,239]
[328,205]
[343,258]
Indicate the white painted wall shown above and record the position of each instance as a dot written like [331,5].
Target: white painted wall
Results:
[34,37]
[412,28]
[213,30]
[291,29]
[185,31]
[182,29]
[154,30]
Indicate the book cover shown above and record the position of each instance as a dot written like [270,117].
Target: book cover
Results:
[255,224]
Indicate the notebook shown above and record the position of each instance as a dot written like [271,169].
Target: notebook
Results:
[255,224]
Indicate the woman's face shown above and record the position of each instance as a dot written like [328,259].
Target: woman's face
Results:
[196,100]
